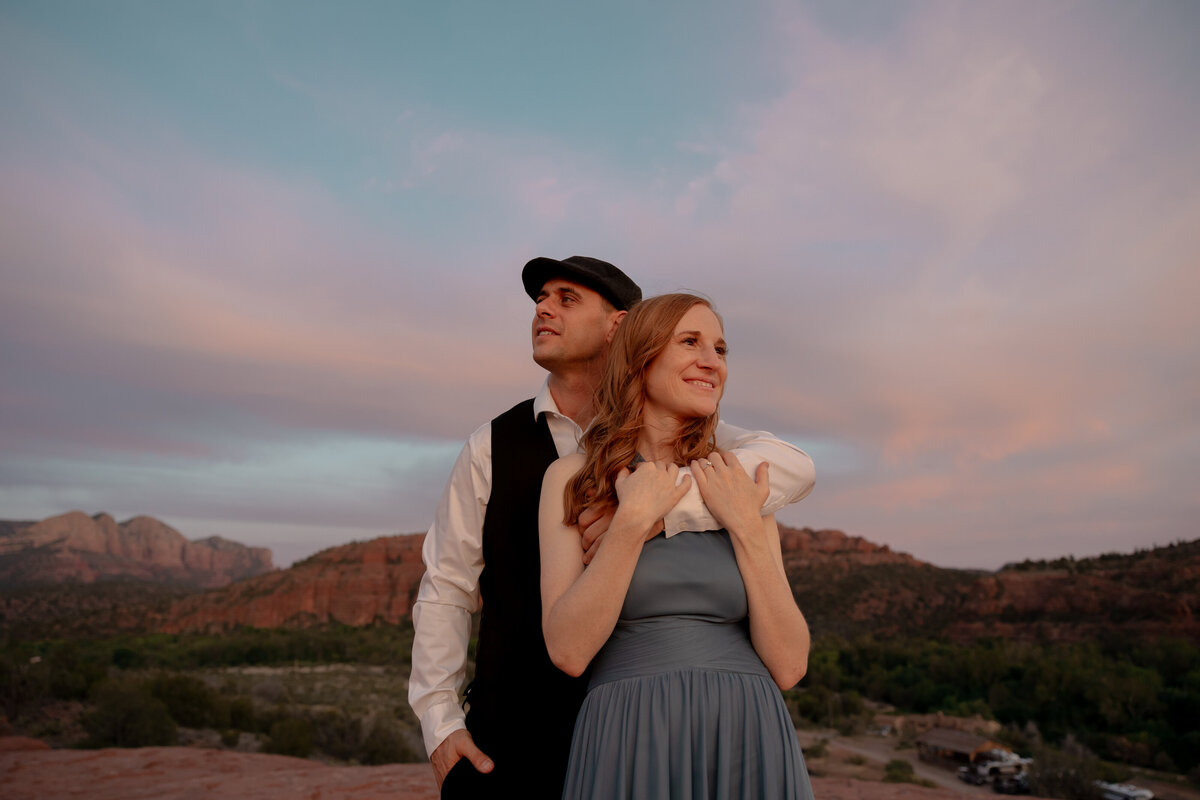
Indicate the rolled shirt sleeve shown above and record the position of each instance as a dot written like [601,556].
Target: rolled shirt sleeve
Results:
[449,593]
[792,476]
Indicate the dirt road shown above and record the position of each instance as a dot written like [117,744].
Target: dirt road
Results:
[883,749]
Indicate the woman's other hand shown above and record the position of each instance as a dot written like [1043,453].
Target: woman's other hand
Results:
[777,628]
[729,492]
[645,495]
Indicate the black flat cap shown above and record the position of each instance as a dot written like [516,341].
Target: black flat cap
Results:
[612,284]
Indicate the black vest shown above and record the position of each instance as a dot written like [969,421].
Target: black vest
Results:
[516,684]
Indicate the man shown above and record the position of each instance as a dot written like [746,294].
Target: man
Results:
[483,545]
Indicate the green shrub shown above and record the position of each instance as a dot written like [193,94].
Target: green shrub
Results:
[818,749]
[338,734]
[241,714]
[230,737]
[1164,763]
[1069,773]
[270,690]
[385,744]
[814,704]
[971,708]
[21,684]
[856,760]
[72,669]
[127,715]
[291,737]
[190,702]
[265,717]
[898,771]
[128,658]
[851,726]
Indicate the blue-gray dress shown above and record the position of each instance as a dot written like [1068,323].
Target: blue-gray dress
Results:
[679,705]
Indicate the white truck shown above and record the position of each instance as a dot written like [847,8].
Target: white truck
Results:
[1123,791]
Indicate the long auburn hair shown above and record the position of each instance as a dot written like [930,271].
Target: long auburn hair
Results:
[610,444]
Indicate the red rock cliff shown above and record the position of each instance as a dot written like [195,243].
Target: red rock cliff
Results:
[363,582]
[76,548]
[354,584]
[844,584]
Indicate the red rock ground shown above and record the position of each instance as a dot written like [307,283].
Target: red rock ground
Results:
[30,771]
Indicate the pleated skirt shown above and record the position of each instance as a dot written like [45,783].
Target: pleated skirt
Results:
[684,710]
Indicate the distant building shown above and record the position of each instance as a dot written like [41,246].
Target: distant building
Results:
[952,748]
[918,724]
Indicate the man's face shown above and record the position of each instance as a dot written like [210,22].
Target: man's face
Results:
[572,325]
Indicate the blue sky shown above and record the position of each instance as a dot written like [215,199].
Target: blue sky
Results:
[260,261]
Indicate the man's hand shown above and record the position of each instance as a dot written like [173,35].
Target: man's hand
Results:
[593,525]
[454,747]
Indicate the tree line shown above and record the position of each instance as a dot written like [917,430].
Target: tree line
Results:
[1132,702]
[139,690]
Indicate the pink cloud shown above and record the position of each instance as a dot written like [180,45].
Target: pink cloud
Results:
[244,295]
[961,251]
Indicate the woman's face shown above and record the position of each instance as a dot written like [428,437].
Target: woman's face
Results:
[686,380]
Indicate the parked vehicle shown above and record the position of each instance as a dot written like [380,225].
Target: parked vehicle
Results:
[1011,784]
[982,772]
[1123,791]
[972,774]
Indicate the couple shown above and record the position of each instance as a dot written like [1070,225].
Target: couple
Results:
[681,702]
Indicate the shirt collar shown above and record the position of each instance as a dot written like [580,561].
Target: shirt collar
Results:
[543,401]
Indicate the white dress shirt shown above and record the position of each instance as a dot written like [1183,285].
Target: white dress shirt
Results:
[453,551]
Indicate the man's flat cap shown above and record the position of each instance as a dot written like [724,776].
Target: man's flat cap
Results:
[612,284]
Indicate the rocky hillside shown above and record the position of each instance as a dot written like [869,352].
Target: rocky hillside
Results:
[1150,593]
[846,586]
[354,584]
[75,548]
[86,610]
[360,583]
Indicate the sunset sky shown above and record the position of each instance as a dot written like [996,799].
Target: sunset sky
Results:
[260,260]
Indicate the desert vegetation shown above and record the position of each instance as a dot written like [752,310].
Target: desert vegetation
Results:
[335,693]
[1091,666]
[1177,552]
[338,693]
[1074,706]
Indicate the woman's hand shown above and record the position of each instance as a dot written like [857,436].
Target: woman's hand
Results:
[580,607]
[777,628]
[731,495]
[645,495]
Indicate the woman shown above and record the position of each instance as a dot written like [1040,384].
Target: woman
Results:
[688,632]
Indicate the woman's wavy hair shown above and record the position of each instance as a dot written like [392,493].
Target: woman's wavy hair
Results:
[610,444]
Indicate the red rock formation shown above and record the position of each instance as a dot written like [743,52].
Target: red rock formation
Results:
[363,582]
[850,586]
[354,584]
[1153,592]
[76,548]
[806,546]
[844,584]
